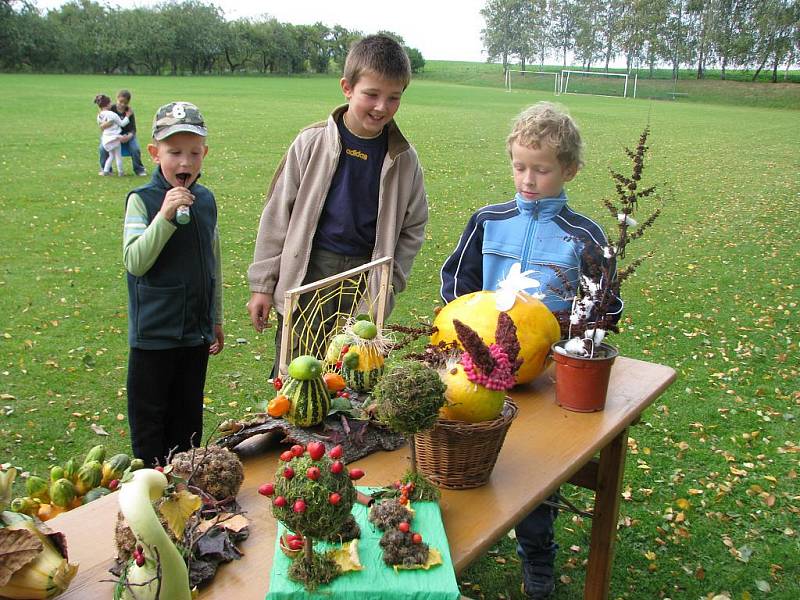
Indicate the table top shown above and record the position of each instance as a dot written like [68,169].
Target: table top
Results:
[544,447]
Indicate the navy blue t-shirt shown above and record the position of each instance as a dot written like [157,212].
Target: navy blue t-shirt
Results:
[349,216]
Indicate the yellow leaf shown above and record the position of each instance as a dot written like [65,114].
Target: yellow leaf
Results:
[683,503]
[178,508]
[347,557]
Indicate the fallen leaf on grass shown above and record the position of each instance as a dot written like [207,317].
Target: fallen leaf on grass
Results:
[763,586]
[98,429]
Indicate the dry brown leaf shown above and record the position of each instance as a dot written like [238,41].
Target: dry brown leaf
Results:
[18,547]
[228,521]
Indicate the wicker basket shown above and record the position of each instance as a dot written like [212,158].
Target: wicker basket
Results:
[456,455]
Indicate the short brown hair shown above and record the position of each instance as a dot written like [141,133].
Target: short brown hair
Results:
[125,94]
[379,54]
[548,124]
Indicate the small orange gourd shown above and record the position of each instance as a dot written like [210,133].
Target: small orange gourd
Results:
[334,382]
[278,406]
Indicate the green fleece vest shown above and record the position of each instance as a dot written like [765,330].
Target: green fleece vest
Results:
[172,304]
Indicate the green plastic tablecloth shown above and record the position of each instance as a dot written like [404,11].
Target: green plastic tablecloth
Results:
[376,580]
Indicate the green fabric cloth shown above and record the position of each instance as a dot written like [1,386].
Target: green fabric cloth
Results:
[376,580]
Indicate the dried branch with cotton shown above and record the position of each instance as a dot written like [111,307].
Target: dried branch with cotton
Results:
[596,306]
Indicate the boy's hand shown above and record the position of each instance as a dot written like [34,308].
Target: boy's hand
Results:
[219,344]
[175,197]
[125,138]
[259,307]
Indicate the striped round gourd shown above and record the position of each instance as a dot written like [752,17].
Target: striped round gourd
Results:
[309,401]
[362,378]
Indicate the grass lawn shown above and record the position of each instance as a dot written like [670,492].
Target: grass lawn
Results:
[712,496]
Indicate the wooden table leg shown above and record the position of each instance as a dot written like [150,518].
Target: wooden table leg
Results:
[604,524]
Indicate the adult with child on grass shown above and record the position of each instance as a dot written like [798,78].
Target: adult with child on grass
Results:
[127,135]
[349,190]
[540,232]
[174,289]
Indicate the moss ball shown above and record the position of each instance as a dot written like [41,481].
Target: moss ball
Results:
[399,549]
[409,396]
[387,514]
[215,470]
[320,518]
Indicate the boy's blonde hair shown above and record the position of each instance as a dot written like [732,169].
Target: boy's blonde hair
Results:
[378,54]
[548,124]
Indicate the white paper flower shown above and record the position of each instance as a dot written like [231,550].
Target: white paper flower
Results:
[623,218]
[515,282]
[608,251]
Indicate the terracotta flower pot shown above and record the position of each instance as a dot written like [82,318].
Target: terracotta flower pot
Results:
[582,383]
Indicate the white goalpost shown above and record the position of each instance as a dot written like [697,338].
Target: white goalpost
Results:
[597,83]
[532,83]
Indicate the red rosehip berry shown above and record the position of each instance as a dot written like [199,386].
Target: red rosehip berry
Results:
[287,455]
[279,501]
[404,526]
[345,394]
[159,468]
[337,467]
[335,498]
[316,450]
[416,538]
[267,489]
[297,450]
[288,472]
[345,348]
[113,484]
[338,364]
[139,559]
[300,506]
[356,474]
[312,473]
[277,383]
[403,500]
[336,452]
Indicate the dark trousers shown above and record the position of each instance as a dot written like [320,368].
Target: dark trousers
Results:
[535,536]
[312,332]
[165,400]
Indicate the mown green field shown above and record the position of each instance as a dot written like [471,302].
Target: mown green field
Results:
[711,497]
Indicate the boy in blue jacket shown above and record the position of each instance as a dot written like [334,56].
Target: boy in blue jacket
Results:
[538,230]
[171,251]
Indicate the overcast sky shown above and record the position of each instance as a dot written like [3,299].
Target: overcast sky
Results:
[441,30]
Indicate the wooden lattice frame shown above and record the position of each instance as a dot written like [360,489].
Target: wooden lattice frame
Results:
[376,307]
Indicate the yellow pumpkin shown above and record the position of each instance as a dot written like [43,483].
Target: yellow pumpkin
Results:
[467,401]
[537,328]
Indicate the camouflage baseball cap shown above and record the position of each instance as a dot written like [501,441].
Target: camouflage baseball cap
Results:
[176,117]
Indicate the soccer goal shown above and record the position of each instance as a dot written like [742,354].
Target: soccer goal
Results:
[315,312]
[544,81]
[597,83]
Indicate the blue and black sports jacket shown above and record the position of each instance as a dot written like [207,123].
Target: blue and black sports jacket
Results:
[545,236]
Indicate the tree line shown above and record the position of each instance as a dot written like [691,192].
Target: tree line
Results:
[697,34]
[83,36]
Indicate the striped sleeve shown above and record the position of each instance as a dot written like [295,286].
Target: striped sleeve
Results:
[143,242]
[217,250]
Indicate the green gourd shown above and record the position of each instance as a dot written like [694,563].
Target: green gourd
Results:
[309,401]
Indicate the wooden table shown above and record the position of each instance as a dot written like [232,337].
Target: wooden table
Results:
[545,447]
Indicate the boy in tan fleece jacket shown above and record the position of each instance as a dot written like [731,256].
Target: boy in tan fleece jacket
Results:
[348,190]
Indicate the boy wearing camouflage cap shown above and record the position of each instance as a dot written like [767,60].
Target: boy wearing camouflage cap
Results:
[171,251]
